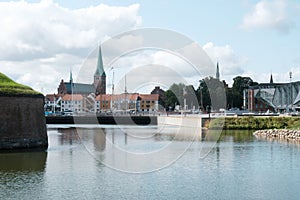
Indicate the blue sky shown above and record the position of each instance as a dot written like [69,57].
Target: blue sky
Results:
[248,38]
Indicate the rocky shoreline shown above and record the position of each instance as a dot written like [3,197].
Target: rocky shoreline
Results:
[279,133]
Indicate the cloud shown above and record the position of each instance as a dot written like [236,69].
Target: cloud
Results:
[43,40]
[230,63]
[268,15]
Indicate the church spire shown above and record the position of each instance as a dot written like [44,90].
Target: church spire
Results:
[100,76]
[100,70]
[271,79]
[71,77]
[218,72]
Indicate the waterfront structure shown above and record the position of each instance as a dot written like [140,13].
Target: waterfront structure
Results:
[52,102]
[127,102]
[73,103]
[23,124]
[97,87]
[275,97]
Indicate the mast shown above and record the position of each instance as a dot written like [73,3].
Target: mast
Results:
[126,103]
[71,82]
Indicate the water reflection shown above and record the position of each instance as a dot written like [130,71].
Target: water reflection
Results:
[228,135]
[23,161]
[260,169]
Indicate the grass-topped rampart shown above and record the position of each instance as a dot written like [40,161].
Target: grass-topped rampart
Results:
[255,123]
[10,88]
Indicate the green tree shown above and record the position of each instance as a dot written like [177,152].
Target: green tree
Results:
[176,94]
[235,95]
[211,91]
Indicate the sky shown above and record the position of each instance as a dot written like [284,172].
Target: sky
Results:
[41,41]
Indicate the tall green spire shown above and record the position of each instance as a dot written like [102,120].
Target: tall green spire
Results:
[100,70]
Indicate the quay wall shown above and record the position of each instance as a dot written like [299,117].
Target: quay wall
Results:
[110,120]
[180,120]
[22,123]
[180,126]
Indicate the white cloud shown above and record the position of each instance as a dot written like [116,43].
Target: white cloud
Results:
[269,15]
[41,41]
[230,63]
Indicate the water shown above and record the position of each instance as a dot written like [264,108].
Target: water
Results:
[239,166]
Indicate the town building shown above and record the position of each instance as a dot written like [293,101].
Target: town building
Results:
[162,98]
[73,103]
[274,97]
[127,102]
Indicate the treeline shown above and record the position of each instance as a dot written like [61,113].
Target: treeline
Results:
[210,92]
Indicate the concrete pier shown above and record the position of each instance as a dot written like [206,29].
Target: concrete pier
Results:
[183,126]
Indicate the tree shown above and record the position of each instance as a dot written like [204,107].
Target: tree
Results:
[177,93]
[174,95]
[211,92]
[235,96]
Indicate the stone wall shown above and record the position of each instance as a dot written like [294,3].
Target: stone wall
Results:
[22,123]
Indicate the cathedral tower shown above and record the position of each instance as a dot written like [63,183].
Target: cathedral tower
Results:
[100,76]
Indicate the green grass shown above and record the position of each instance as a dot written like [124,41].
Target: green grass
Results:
[294,123]
[10,88]
[255,123]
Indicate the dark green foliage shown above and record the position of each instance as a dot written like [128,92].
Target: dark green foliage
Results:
[211,91]
[176,94]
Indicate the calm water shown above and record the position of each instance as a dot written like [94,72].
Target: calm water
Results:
[239,166]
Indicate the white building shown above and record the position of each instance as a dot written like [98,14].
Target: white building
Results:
[72,103]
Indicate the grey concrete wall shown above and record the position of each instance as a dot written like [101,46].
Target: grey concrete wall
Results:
[22,123]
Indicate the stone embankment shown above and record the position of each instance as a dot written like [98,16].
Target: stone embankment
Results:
[279,133]
[22,120]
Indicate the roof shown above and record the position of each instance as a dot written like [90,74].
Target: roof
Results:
[70,97]
[100,70]
[51,97]
[272,85]
[149,97]
[128,96]
[103,97]
[80,88]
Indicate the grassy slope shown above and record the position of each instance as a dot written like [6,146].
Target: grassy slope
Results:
[256,123]
[9,87]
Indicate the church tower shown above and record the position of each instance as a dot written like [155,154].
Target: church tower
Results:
[100,76]
[218,72]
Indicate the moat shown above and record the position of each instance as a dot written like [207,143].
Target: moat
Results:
[238,166]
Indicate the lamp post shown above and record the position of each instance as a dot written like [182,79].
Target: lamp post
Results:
[291,88]
[201,95]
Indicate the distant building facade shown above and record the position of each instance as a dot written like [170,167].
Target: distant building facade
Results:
[275,97]
[162,98]
[131,102]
